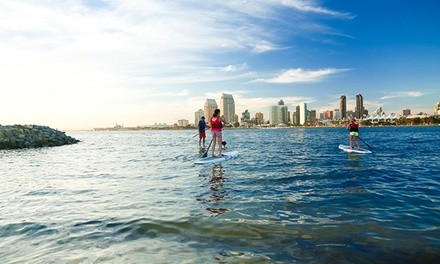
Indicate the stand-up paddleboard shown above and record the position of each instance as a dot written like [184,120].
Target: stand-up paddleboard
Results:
[354,150]
[225,156]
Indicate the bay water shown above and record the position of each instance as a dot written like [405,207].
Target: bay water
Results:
[290,197]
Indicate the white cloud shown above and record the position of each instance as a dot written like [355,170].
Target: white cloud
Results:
[301,76]
[402,95]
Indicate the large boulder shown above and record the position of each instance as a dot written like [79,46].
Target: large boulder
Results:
[32,136]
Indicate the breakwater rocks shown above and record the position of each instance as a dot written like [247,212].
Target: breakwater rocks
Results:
[32,136]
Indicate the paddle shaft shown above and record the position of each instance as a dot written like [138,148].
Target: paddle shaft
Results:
[365,143]
[206,153]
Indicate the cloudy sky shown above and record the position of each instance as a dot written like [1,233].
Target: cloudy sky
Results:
[79,64]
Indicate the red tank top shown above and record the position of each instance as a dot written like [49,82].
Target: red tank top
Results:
[215,123]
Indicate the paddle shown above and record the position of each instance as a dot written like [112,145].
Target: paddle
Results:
[365,143]
[206,153]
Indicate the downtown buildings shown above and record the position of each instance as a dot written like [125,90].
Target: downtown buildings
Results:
[227,109]
[299,115]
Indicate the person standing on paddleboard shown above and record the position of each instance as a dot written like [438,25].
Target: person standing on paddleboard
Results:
[216,123]
[353,126]
[202,133]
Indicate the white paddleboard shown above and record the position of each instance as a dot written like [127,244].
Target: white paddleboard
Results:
[225,156]
[354,150]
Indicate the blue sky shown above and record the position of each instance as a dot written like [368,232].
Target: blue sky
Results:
[83,64]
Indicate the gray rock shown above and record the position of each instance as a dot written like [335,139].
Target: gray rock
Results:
[32,136]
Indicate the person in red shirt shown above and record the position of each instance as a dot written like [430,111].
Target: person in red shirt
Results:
[353,126]
[216,123]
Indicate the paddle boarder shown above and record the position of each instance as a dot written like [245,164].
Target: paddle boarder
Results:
[202,131]
[216,123]
[353,126]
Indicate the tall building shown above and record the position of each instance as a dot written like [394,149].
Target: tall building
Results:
[437,109]
[259,118]
[337,115]
[278,114]
[343,107]
[359,110]
[312,116]
[245,117]
[303,113]
[297,115]
[227,108]
[210,106]
[198,115]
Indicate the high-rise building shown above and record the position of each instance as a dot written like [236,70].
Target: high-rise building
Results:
[259,118]
[303,113]
[312,116]
[245,117]
[337,115]
[359,110]
[278,114]
[297,115]
[437,109]
[210,106]
[227,108]
[198,115]
[343,107]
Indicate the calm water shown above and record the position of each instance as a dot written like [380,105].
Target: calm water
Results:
[291,197]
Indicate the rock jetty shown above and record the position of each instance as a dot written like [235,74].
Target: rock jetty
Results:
[32,136]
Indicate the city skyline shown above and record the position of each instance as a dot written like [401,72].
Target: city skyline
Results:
[85,64]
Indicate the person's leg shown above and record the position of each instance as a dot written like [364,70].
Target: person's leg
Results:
[220,146]
[357,143]
[351,141]
[214,139]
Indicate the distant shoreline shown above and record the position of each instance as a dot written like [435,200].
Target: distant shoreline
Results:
[243,128]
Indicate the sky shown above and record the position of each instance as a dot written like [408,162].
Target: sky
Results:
[82,64]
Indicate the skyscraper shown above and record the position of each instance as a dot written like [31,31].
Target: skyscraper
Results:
[210,106]
[198,115]
[278,114]
[359,110]
[303,113]
[227,108]
[437,109]
[343,107]
[259,118]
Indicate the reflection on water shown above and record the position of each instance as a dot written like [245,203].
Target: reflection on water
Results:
[216,180]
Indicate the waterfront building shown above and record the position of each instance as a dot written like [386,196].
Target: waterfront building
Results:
[245,118]
[337,115]
[227,108]
[327,115]
[210,106]
[182,123]
[303,113]
[198,115]
[297,116]
[312,116]
[406,112]
[343,107]
[259,118]
[437,109]
[359,110]
[278,114]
